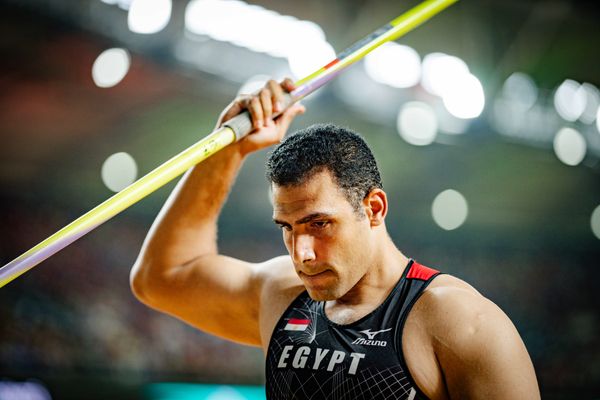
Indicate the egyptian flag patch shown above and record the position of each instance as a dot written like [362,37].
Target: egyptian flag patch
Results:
[295,324]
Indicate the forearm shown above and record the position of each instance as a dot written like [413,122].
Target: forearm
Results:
[186,227]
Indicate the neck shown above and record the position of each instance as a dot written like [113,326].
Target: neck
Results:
[381,277]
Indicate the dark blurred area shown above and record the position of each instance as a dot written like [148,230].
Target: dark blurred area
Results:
[530,241]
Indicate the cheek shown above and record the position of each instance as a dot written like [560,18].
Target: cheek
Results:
[351,247]
[359,251]
[356,235]
[285,238]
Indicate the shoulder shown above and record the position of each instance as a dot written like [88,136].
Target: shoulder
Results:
[277,276]
[453,309]
[279,286]
[474,341]
[447,303]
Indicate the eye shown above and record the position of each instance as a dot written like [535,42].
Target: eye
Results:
[284,227]
[319,224]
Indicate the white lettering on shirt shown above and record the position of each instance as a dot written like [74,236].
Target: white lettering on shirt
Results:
[300,357]
[284,354]
[303,355]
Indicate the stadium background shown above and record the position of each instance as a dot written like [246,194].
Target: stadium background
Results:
[71,329]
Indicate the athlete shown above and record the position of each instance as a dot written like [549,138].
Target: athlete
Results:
[345,315]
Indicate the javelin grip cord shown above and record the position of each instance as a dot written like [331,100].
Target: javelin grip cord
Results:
[241,124]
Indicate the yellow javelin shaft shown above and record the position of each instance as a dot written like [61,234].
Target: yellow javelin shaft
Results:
[393,30]
[236,129]
[117,203]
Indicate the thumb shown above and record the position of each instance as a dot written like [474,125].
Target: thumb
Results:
[233,109]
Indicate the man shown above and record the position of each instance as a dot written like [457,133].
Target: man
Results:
[345,315]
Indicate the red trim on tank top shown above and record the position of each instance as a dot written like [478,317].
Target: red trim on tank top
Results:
[418,271]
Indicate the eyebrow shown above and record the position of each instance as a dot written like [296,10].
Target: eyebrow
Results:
[308,218]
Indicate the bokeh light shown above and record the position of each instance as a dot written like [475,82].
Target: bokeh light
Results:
[520,89]
[464,97]
[595,221]
[449,77]
[570,100]
[305,61]
[417,123]
[449,209]
[261,37]
[206,17]
[440,70]
[394,65]
[303,43]
[119,171]
[149,16]
[122,4]
[569,146]
[29,390]
[293,35]
[592,94]
[110,67]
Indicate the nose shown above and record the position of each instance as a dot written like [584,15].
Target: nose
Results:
[303,249]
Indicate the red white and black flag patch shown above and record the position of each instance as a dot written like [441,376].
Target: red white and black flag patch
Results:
[295,324]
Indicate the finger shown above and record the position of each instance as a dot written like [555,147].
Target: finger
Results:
[256,112]
[233,109]
[278,96]
[288,84]
[236,107]
[267,104]
[284,121]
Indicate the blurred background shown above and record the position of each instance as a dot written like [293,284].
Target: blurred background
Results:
[485,122]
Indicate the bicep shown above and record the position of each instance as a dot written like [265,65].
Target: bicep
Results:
[214,293]
[482,355]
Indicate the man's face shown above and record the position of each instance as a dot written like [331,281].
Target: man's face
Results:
[330,244]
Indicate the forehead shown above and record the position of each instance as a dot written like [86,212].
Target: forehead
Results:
[319,193]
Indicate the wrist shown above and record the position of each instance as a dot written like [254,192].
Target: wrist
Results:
[232,152]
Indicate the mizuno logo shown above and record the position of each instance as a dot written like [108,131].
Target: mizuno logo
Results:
[371,335]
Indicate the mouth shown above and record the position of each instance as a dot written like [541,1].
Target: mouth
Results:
[316,280]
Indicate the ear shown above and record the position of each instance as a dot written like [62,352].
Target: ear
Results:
[376,206]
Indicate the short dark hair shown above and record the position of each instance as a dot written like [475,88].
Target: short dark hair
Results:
[320,147]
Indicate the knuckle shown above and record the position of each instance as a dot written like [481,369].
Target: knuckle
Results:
[265,93]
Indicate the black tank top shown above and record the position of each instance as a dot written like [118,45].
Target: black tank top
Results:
[311,357]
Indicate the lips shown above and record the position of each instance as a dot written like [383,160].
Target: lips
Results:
[317,279]
[313,273]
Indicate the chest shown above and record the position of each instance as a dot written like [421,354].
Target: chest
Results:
[309,355]
[315,344]
[346,316]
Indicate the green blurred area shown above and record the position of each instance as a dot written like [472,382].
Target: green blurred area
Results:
[188,391]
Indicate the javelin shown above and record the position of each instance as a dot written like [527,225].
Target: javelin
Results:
[231,131]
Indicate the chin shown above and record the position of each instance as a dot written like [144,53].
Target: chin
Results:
[322,294]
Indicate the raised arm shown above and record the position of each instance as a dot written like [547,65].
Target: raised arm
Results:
[179,270]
